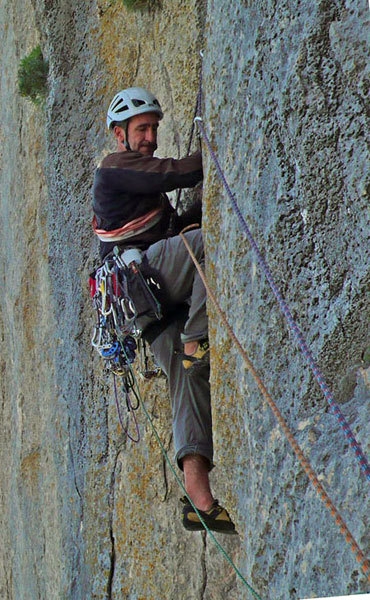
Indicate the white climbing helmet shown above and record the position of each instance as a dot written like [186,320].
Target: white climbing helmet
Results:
[130,102]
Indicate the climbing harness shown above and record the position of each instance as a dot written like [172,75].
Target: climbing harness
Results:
[113,287]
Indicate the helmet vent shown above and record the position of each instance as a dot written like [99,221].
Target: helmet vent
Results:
[137,102]
[121,109]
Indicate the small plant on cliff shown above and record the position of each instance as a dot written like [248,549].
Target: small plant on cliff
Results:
[140,4]
[33,75]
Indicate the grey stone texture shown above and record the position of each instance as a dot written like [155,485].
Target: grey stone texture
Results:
[86,513]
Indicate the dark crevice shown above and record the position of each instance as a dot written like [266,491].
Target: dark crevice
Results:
[204,566]
[165,480]
[112,565]
[112,554]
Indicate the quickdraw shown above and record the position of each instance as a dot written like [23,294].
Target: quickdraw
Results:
[116,336]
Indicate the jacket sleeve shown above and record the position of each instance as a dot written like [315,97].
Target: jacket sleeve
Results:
[138,174]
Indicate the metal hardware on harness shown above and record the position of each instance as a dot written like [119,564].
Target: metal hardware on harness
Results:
[116,331]
[131,255]
[116,335]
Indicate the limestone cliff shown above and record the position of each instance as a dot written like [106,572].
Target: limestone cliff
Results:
[85,513]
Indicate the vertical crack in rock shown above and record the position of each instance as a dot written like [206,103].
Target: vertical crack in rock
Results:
[165,479]
[78,524]
[74,470]
[112,563]
[204,565]
[112,554]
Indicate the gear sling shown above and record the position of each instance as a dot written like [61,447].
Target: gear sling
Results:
[121,293]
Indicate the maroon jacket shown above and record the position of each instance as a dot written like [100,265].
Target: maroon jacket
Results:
[128,186]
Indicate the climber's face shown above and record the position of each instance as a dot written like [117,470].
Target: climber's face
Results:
[141,133]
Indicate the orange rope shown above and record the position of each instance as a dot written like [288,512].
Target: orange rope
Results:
[360,557]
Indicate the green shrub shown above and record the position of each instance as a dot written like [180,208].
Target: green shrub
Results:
[140,4]
[32,76]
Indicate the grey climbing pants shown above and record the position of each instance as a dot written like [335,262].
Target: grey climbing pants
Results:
[181,280]
[189,388]
[190,396]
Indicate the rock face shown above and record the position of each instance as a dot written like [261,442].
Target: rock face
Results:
[85,512]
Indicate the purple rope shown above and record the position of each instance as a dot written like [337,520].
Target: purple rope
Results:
[286,311]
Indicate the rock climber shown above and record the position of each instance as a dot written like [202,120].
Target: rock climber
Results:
[132,210]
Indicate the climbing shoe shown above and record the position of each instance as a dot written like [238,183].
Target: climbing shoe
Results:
[216,518]
[200,356]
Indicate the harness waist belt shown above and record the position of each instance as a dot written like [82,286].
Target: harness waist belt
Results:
[131,229]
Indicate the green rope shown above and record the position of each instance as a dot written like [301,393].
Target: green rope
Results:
[165,454]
